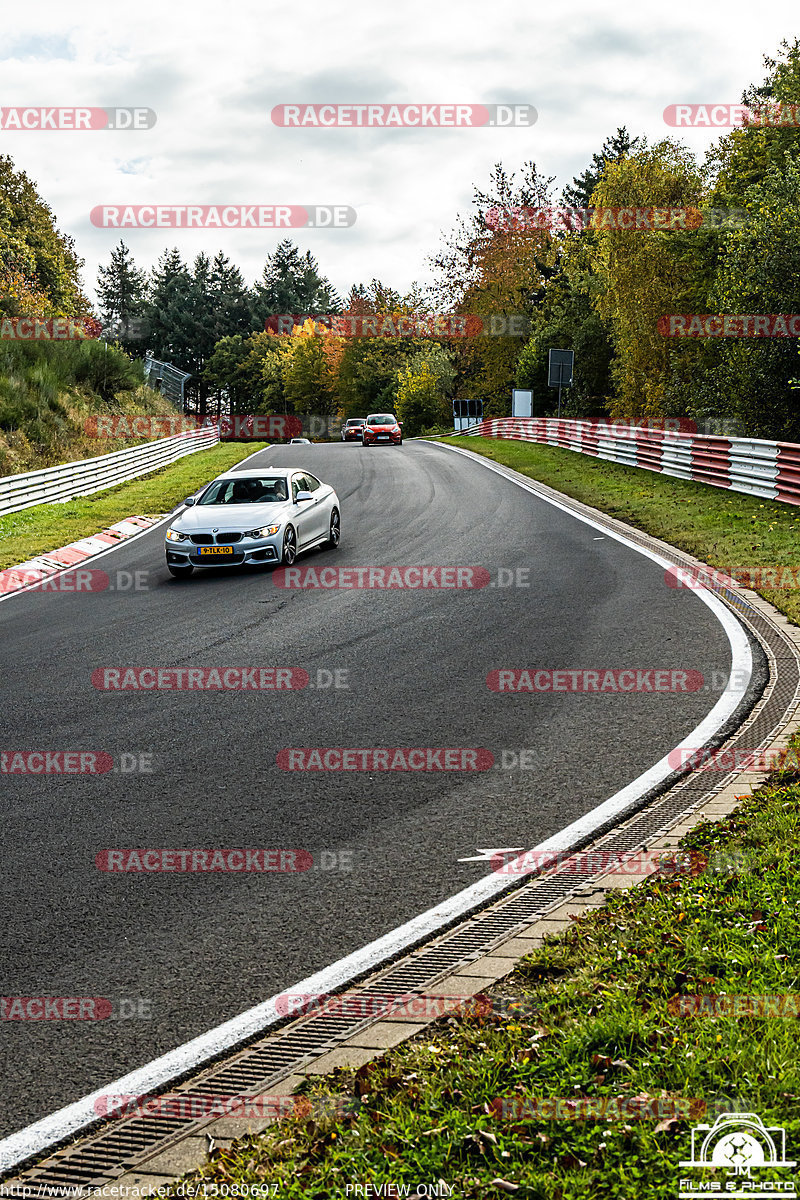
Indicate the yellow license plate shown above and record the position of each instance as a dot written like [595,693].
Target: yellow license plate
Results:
[203,550]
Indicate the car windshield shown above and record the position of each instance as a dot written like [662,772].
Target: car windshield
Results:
[357,421]
[382,419]
[267,489]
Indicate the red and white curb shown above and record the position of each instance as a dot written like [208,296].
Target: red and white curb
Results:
[36,570]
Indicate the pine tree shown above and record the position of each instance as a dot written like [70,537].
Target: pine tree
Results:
[233,300]
[169,311]
[579,193]
[291,283]
[122,294]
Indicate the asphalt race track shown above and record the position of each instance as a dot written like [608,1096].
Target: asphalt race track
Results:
[200,948]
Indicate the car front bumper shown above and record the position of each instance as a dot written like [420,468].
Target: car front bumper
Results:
[263,550]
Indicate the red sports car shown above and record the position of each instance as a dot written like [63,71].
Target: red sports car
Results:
[382,427]
[351,430]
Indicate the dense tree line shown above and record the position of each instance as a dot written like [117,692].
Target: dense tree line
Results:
[589,286]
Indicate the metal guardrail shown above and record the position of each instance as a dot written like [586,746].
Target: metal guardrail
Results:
[753,465]
[55,484]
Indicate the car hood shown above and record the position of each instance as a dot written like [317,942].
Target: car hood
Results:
[380,428]
[234,518]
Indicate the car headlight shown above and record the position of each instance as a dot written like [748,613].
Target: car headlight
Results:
[175,535]
[267,531]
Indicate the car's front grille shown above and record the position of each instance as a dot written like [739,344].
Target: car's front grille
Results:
[228,539]
[202,539]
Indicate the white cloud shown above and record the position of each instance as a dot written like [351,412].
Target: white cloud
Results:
[213,77]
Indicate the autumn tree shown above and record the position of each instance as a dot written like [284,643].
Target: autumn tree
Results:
[39,268]
[643,274]
[311,370]
[424,385]
[494,265]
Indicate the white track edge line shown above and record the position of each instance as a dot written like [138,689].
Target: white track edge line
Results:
[67,1121]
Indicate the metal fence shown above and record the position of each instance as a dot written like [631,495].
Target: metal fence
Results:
[753,465]
[167,379]
[96,474]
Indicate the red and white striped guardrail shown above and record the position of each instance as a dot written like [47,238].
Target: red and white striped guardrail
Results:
[752,465]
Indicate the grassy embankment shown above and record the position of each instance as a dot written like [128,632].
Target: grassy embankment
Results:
[48,526]
[48,390]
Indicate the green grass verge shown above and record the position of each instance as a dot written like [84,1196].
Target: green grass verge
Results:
[48,526]
[605,1023]
[725,529]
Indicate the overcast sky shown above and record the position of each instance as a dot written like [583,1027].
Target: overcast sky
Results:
[213,77]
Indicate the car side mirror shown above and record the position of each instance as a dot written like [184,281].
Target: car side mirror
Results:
[189,501]
[301,496]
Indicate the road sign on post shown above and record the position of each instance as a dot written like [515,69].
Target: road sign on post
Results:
[466,413]
[521,402]
[559,370]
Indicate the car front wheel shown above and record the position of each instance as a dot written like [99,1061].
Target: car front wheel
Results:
[179,572]
[289,552]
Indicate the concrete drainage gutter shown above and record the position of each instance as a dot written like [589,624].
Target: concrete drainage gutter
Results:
[137,1155]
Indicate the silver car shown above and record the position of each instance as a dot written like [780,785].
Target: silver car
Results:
[260,516]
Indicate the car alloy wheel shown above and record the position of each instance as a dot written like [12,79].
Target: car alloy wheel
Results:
[289,553]
[335,530]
